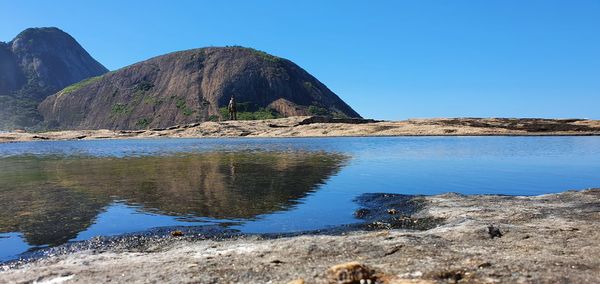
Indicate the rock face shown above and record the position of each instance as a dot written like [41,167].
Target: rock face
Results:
[35,64]
[191,86]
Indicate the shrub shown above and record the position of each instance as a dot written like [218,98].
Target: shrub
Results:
[224,112]
[180,103]
[187,111]
[265,56]
[308,86]
[143,86]
[143,123]
[153,101]
[318,110]
[260,114]
[120,109]
[337,114]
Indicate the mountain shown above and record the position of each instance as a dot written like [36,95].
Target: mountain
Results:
[35,64]
[192,86]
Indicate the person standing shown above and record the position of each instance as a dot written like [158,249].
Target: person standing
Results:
[232,109]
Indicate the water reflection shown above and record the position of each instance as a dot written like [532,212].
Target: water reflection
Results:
[51,199]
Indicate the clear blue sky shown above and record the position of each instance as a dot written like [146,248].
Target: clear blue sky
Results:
[387,59]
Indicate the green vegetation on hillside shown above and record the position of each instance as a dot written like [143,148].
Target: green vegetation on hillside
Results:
[265,56]
[338,114]
[79,85]
[18,112]
[143,86]
[153,101]
[120,109]
[246,114]
[143,122]
[315,110]
[140,92]
[181,104]
[309,86]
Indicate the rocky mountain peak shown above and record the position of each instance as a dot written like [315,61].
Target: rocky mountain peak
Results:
[35,64]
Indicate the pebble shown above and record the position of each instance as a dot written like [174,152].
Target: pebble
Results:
[361,213]
[349,273]
[494,232]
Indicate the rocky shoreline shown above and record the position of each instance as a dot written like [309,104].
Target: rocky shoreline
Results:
[303,126]
[552,238]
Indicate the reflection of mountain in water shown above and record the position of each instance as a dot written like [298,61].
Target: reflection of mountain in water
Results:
[50,200]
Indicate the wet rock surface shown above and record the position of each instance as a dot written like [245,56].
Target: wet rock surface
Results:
[377,204]
[385,211]
[522,124]
[545,239]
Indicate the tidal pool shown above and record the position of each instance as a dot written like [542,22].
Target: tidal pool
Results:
[53,192]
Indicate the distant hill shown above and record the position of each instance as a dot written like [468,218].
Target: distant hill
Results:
[35,64]
[192,86]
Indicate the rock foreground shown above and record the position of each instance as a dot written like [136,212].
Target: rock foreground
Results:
[303,126]
[551,238]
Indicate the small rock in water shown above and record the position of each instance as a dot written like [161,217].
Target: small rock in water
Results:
[361,213]
[350,273]
[177,233]
[392,211]
[494,231]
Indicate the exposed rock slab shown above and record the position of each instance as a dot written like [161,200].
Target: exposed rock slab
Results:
[546,239]
[328,127]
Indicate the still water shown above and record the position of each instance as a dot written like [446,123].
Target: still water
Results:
[55,192]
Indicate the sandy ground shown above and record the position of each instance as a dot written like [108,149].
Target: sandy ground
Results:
[315,127]
[544,239]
